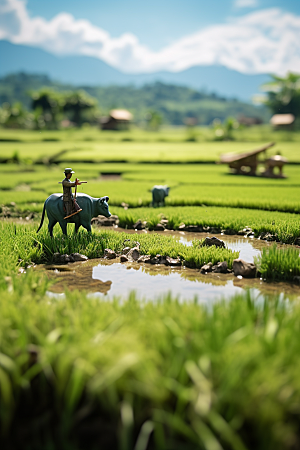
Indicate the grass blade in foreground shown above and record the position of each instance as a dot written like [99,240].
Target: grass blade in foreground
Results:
[81,372]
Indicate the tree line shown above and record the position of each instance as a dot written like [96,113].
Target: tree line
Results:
[35,101]
[49,108]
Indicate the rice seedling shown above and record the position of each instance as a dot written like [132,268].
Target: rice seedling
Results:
[136,146]
[279,264]
[190,185]
[268,198]
[132,364]
[284,225]
[168,374]
[93,246]
[21,246]
[79,372]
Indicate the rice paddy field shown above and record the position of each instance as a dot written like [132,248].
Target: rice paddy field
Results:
[168,145]
[78,372]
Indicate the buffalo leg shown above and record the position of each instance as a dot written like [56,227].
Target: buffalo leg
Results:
[87,227]
[63,226]
[50,226]
[77,226]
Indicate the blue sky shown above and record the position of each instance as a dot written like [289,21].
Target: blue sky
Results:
[159,22]
[250,36]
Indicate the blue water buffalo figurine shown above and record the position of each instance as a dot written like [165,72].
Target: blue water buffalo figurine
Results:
[91,207]
[158,195]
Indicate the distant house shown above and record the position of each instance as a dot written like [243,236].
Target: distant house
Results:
[249,121]
[118,119]
[283,121]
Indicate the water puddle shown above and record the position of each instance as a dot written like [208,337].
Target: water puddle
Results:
[245,246]
[106,278]
[248,248]
[110,279]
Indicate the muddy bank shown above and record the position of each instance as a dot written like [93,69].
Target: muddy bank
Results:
[168,225]
[113,278]
[249,247]
[108,278]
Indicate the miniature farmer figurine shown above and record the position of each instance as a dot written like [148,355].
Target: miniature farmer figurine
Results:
[70,204]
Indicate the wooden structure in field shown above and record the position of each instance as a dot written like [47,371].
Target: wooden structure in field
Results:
[283,121]
[276,161]
[118,119]
[247,163]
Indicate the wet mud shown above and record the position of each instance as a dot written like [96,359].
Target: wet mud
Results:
[110,278]
[249,248]
[113,279]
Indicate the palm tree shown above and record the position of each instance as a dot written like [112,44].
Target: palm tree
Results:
[284,94]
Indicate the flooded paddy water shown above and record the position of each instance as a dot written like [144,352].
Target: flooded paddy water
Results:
[110,278]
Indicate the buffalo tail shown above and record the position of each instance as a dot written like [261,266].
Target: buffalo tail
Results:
[42,219]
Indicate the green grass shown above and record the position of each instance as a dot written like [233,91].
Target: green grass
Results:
[36,248]
[227,198]
[190,185]
[279,264]
[285,225]
[124,374]
[167,134]
[138,151]
[268,198]
[169,145]
[161,375]
[177,174]
[196,174]
[137,194]
[82,373]
[22,246]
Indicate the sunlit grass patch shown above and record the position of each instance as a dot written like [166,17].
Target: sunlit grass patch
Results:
[284,225]
[169,145]
[93,246]
[160,365]
[190,185]
[279,264]
[22,246]
[171,368]
[21,197]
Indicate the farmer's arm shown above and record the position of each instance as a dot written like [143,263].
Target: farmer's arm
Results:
[68,183]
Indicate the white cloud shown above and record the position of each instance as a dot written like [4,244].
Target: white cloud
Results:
[265,41]
[246,3]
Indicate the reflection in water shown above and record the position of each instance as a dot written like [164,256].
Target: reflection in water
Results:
[151,282]
[154,281]
[248,248]
[75,276]
[184,283]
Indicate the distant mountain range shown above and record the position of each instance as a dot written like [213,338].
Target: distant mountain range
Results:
[89,71]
